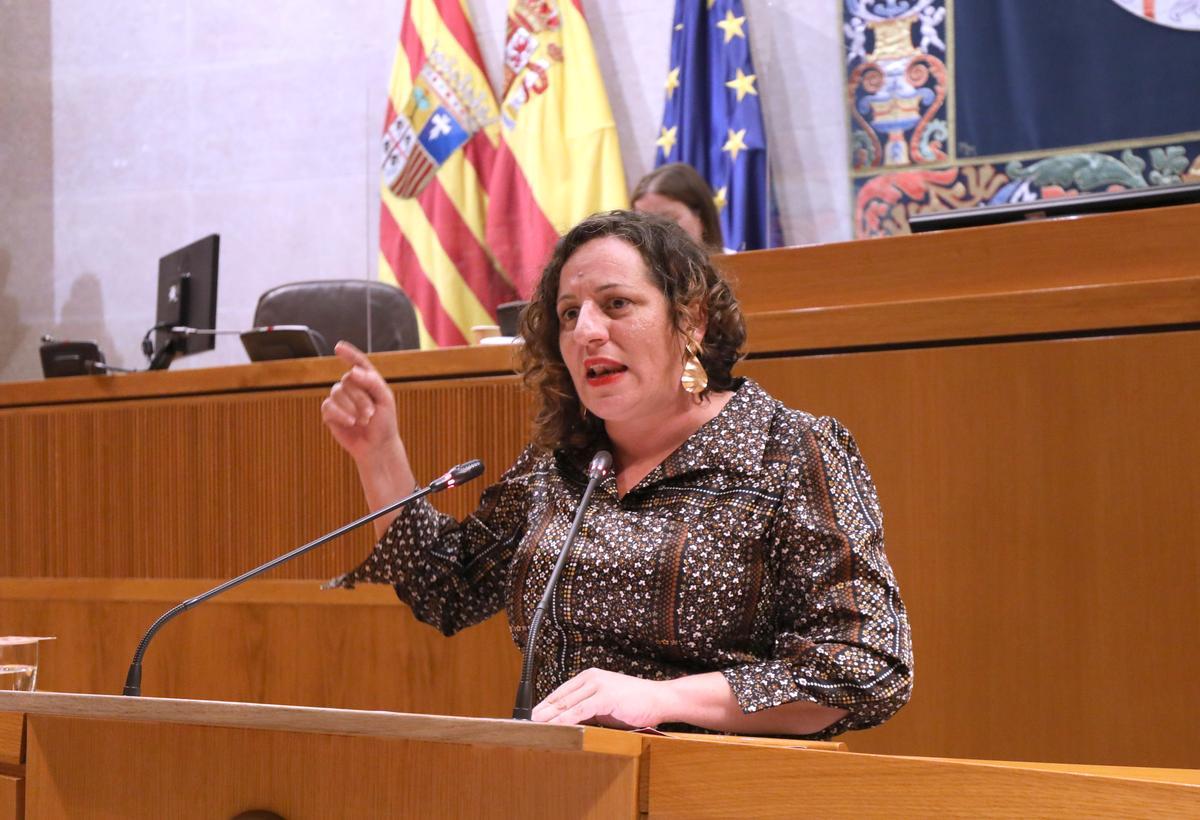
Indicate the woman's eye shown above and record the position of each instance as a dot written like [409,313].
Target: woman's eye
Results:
[569,315]
[618,303]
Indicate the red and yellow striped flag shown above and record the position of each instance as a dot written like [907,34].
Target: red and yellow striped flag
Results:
[440,148]
[558,157]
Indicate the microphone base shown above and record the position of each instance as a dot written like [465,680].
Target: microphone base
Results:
[133,680]
[163,357]
[523,703]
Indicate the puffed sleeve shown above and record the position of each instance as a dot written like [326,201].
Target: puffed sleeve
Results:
[453,573]
[841,636]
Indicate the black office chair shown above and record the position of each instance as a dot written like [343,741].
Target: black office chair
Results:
[338,309]
[508,316]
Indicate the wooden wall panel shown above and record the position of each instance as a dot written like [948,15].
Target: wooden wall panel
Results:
[1134,246]
[1040,512]
[210,486]
[12,797]
[686,781]
[265,642]
[162,770]
[1048,312]
[12,739]
[1039,497]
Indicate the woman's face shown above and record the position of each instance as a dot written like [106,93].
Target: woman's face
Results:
[674,210]
[616,334]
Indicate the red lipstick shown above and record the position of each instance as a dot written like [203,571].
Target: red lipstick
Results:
[600,370]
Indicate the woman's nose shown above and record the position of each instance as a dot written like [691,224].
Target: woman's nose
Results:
[591,324]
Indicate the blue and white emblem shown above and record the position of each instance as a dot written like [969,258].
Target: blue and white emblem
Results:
[442,135]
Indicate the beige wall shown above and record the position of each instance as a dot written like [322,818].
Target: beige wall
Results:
[130,129]
[26,186]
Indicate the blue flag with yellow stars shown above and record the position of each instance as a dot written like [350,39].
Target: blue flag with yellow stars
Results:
[712,118]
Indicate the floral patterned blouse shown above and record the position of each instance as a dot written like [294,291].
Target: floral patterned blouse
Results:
[755,549]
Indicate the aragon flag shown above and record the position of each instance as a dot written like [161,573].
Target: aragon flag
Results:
[439,146]
[558,158]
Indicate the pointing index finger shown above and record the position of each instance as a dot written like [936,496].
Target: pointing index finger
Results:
[351,355]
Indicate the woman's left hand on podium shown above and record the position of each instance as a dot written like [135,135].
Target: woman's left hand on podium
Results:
[604,698]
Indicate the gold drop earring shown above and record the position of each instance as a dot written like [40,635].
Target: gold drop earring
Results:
[694,378]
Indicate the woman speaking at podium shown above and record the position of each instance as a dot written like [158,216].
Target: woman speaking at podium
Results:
[730,571]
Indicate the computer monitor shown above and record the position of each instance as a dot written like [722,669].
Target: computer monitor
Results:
[1132,199]
[187,298]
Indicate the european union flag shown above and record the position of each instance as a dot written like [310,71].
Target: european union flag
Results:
[712,118]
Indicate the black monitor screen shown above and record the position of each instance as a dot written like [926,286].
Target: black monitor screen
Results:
[187,297]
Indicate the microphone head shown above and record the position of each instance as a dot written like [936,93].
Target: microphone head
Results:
[460,474]
[466,471]
[600,464]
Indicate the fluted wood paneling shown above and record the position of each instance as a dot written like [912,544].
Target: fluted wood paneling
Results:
[265,642]
[210,486]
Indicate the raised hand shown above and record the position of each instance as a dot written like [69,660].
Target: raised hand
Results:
[360,411]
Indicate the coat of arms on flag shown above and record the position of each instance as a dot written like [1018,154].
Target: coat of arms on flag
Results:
[439,139]
[471,202]
[442,112]
[526,20]
[557,159]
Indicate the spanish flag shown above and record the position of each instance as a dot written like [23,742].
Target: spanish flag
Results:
[440,145]
[558,158]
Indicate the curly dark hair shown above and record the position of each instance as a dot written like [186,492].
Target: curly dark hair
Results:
[678,267]
[683,183]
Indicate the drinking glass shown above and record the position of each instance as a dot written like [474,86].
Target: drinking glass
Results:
[18,663]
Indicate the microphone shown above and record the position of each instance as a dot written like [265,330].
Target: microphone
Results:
[460,474]
[597,469]
[457,475]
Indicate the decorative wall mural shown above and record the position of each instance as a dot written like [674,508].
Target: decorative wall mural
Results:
[956,105]
[1173,13]
[897,83]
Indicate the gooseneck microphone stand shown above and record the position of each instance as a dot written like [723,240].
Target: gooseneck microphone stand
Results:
[458,475]
[523,710]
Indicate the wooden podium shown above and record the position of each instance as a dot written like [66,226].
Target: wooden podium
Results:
[110,756]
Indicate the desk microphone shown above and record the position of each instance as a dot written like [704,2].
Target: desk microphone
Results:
[523,710]
[458,475]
